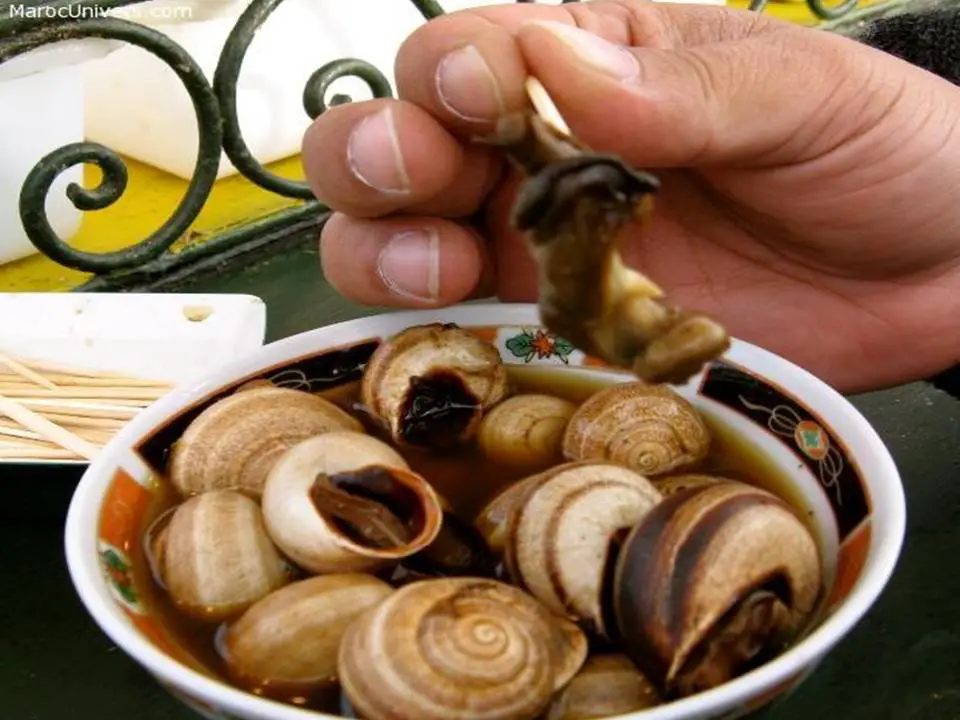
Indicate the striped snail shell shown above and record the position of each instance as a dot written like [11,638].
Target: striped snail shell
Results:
[458,649]
[710,582]
[561,541]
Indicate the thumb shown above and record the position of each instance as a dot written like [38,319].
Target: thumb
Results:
[775,97]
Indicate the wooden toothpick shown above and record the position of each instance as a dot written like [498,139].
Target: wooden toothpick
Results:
[25,372]
[545,107]
[47,429]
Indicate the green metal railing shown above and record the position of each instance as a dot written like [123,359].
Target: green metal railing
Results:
[150,261]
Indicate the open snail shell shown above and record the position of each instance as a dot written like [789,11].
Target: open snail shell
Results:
[606,686]
[526,431]
[286,644]
[431,384]
[648,428]
[562,539]
[234,442]
[457,649]
[348,502]
[712,579]
[215,558]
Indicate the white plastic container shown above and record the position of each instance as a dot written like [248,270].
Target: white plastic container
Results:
[137,106]
[41,96]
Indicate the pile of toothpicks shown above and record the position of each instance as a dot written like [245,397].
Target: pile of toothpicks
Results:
[55,412]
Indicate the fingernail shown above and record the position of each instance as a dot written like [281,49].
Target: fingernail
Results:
[374,156]
[409,265]
[604,56]
[467,86]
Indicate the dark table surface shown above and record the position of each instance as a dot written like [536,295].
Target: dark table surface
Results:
[902,661]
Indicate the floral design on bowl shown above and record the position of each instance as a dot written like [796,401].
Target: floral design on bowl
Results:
[833,459]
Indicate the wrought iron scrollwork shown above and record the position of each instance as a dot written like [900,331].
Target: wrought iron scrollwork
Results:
[41,178]
[215,104]
[314,96]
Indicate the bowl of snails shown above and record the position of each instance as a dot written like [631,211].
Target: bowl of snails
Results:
[457,515]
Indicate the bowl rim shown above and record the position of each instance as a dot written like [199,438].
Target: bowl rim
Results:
[81,539]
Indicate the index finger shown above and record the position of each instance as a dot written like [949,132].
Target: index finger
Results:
[467,70]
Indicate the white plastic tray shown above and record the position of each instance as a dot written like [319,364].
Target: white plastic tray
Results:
[169,337]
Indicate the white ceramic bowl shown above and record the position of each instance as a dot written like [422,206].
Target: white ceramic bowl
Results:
[835,459]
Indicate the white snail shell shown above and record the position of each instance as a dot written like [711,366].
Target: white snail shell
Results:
[307,536]
[493,520]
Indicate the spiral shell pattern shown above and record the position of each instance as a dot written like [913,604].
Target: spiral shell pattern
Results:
[648,428]
[457,649]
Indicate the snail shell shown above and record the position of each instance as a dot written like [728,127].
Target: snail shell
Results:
[607,686]
[215,558]
[458,649]
[493,520]
[648,428]
[526,431]
[234,442]
[286,644]
[713,578]
[672,484]
[431,384]
[393,512]
[562,538]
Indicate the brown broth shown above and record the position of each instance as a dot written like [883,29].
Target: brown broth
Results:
[468,481]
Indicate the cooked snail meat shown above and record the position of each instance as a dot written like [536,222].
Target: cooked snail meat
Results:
[572,208]
[458,550]
[359,503]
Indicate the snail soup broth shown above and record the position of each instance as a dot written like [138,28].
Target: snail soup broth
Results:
[467,480]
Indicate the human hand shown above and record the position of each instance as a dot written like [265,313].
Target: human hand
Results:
[808,181]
